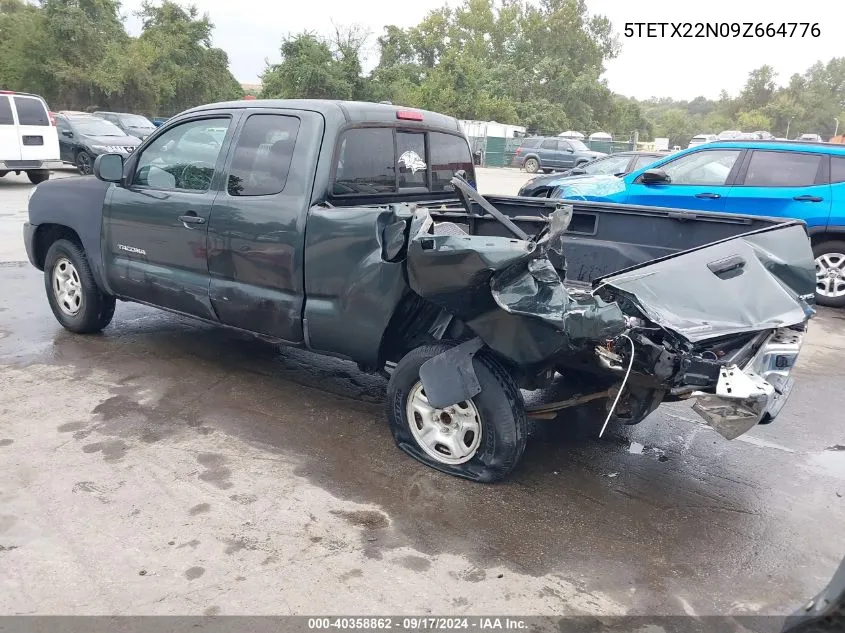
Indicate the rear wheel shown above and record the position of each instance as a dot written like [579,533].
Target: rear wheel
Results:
[481,439]
[548,171]
[830,273]
[531,165]
[84,163]
[75,299]
[38,176]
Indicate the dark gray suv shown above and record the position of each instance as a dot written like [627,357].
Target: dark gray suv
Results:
[551,153]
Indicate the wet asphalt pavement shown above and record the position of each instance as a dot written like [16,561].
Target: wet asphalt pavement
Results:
[169,467]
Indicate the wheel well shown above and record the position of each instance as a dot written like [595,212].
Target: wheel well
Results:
[818,238]
[417,321]
[49,233]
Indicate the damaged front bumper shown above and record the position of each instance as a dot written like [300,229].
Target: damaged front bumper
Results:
[754,393]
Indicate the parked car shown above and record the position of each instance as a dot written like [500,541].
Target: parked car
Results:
[784,179]
[700,139]
[617,164]
[131,124]
[810,138]
[83,137]
[28,139]
[727,135]
[159,121]
[348,229]
[551,153]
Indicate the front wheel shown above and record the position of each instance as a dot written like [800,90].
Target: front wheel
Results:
[531,165]
[84,163]
[481,439]
[75,299]
[830,273]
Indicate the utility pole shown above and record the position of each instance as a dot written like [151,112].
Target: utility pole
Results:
[837,126]
[788,123]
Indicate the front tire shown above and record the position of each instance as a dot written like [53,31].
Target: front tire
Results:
[75,299]
[531,165]
[36,177]
[830,273]
[482,439]
[84,163]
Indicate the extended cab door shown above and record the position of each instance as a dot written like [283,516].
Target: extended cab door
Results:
[699,180]
[155,225]
[257,227]
[785,184]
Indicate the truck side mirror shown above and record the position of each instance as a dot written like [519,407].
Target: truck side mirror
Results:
[654,177]
[67,133]
[109,167]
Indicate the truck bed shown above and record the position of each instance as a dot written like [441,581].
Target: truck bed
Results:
[604,238]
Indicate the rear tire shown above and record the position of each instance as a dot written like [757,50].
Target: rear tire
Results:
[498,411]
[830,273]
[39,176]
[548,171]
[75,299]
[531,165]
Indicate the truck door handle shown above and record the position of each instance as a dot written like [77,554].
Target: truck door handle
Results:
[709,196]
[191,218]
[807,199]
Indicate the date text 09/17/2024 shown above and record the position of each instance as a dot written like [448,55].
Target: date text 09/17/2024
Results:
[722,29]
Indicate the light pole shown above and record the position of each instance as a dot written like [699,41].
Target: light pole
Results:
[788,123]
[837,126]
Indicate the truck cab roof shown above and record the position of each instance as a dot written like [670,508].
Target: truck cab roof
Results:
[351,111]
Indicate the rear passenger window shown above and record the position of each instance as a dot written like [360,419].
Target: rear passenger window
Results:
[31,111]
[782,169]
[263,155]
[837,169]
[549,143]
[449,153]
[6,111]
[365,162]
[410,148]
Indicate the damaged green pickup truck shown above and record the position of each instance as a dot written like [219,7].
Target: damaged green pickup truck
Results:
[355,230]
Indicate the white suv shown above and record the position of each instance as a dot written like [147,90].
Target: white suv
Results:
[28,138]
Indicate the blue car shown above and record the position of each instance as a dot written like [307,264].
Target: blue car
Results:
[787,179]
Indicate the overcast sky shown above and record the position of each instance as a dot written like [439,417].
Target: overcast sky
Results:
[250,32]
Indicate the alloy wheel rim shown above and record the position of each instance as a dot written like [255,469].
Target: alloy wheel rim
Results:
[830,275]
[451,435]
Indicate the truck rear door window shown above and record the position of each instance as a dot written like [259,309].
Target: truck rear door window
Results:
[410,148]
[6,111]
[31,111]
[263,155]
[449,153]
[366,162]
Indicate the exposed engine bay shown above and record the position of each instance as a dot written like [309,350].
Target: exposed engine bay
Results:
[722,324]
